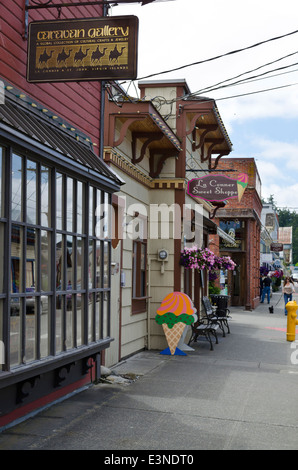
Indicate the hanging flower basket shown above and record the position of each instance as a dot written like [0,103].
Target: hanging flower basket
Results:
[212,276]
[277,274]
[226,262]
[203,258]
[276,280]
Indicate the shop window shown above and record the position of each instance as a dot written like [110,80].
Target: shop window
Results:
[235,229]
[2,346]
[45,206]
[70,204]
[17,189]
[1,183]
[1,259]
[79,207]
[31,193]
[58,286]
[139,276]
[99,276]
[59,201]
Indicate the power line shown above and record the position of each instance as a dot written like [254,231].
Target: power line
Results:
[256,92]
[211,87]
[265,78]
[253,78]
[206,100]
[219,56]
[244,81]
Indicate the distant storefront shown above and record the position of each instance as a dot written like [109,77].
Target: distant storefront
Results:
[241,220]
[232,283]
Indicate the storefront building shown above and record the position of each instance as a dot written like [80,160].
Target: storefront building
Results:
[242,221]
[270,260]
[55,243]
[156,143]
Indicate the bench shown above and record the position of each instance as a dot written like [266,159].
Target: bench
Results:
[206,328]
[216,316]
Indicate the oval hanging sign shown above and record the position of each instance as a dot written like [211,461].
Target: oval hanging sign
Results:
[217,187]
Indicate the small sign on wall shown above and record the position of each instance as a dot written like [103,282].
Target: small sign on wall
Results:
[276,247]
[83,49]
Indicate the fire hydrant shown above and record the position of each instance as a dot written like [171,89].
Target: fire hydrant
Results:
[292,320]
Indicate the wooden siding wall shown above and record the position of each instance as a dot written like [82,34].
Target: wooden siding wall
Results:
[76,102]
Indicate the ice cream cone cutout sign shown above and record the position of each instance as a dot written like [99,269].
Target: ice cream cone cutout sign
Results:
[175,312]
[242,182]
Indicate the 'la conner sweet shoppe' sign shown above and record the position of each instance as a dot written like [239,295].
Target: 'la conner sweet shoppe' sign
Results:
[217,187]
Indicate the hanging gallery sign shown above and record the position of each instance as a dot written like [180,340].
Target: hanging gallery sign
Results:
[217,187]
[83,49]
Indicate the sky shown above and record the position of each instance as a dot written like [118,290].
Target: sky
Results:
[263,124]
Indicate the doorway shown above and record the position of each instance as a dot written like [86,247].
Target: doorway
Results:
[237,284]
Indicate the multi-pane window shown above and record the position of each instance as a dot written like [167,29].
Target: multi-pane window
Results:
[2,225]
[55,292]
[139,276]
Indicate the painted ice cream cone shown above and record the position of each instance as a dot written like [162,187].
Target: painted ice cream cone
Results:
[173,335]
[176,311]
[242,182]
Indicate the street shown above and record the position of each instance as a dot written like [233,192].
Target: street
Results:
[241,396]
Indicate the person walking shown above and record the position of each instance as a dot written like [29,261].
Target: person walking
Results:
[261,286]
[266,289]
[288,290]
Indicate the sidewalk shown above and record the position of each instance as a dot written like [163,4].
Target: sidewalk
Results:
[241,396]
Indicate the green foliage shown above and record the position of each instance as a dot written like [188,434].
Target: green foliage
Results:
[213,289]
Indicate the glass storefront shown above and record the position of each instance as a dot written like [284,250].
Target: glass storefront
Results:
[55,250]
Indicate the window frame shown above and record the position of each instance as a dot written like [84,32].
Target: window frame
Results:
[87,178]
[139,276]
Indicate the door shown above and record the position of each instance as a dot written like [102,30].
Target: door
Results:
[112,354]
[237,285]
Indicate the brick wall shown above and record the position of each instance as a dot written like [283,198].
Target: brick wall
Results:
[250,197]
[250,202]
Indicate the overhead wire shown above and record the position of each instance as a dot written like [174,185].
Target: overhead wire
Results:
[211,87]
[236,51]
[247,80]
[256,92]
[250,79]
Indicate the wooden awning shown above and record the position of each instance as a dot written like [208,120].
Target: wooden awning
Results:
[147,127]
[206,128]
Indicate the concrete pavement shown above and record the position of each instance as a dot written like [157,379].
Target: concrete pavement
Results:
[241,396]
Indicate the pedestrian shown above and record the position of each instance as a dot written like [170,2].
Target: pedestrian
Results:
[266,289]
[288,290]
[261,286]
